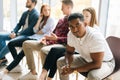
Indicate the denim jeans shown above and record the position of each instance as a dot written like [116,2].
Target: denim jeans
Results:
[16,43]
[16,56]
[16,61]
[3,49]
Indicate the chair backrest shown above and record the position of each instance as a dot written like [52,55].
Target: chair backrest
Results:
[114,44]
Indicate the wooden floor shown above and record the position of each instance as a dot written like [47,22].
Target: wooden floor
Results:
[15,76]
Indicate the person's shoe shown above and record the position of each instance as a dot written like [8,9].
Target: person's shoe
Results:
[3,62]
[17,69]
[29,76]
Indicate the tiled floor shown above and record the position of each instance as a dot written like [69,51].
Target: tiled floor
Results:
[15,76]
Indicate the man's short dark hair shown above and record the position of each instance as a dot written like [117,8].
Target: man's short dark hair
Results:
[34,1]
[68,2]
[75,16]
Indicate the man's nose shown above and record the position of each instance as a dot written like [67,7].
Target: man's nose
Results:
[75,29]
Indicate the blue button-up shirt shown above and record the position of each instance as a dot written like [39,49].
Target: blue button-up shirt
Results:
[32,20]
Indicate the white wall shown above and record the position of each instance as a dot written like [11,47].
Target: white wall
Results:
[1,15]
[13,13]
[103,15]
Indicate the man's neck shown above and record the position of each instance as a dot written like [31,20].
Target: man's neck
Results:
[30,9]
[68,14]
[83,33]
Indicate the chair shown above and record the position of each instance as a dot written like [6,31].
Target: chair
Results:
[114,44]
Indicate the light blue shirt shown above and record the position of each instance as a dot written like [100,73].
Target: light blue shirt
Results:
[47,29]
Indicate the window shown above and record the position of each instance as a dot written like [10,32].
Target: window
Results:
[6,13]
[113,24]
[9,11]
[79,5]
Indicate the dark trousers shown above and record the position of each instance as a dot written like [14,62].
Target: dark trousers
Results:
[3,47]
[17,57]
[51,60]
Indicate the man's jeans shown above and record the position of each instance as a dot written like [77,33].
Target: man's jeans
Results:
[3,48]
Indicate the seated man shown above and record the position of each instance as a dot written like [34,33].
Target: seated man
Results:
[27,22]
[95,55]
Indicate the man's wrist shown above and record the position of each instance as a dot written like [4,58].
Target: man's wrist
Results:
[12,31]
[75,70]
[67,62]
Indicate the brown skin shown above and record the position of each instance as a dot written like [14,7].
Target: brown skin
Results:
[78,29]
[51,37]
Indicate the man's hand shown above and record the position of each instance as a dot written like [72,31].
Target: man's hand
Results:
[51,37]
[12,35]
[67,70]
[43,41]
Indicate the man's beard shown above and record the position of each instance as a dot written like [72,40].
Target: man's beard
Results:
[28,6]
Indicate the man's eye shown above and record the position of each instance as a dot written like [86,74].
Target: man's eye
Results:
[78,24]
[71,27]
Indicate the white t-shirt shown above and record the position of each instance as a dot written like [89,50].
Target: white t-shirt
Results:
[92,42]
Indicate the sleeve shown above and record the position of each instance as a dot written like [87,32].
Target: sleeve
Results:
[49,26]
[19,24]
[33,21]
[97,44]
[70,40]
[35,30]
[62,27]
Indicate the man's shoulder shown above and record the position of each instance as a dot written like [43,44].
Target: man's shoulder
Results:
[93,34]
[93,31]
[70,34]
[34,12]
[62,19]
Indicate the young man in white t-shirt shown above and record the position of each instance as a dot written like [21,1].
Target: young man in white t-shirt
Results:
[95,55]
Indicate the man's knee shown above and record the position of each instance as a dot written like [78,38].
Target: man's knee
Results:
[43,57]
[61,62]
[25,43]
[93,76]
[10,43]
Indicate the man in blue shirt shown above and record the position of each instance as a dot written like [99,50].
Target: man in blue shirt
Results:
[26,23]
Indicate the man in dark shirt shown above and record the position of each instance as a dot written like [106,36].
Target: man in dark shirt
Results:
[27,21]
